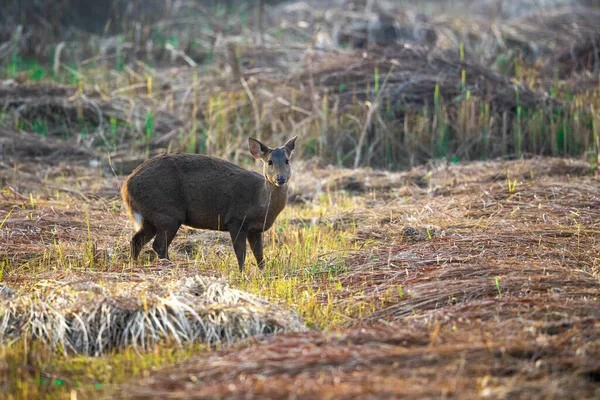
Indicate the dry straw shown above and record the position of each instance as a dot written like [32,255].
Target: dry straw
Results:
[95,318]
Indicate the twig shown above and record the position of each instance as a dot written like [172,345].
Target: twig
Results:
[254,107]
[372,108]
[56,64]
[233,61]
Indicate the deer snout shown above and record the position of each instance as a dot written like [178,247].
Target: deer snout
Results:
[281,179]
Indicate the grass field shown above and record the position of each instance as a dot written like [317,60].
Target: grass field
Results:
[465,266]
[483,281]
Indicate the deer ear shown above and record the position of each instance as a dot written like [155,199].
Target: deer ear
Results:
[257,149]
[290,145]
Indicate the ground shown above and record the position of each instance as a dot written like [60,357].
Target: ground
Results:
[449,280]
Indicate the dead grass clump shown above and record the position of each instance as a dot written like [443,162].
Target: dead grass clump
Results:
[420,234]
[446,176]
[578,57]
[94,318]
[22,147]
[310,182]
[411,77]
[84,118]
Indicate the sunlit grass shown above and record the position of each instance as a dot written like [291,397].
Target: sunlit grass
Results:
[305,252]
[34,371]
[303,258]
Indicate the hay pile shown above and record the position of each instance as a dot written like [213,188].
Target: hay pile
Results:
[93,318]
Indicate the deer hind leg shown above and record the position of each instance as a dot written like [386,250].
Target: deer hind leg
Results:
[166,229]
[145,233]
[256,244]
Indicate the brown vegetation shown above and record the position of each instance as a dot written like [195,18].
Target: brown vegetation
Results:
[481,281]
[451,278]
[499,301]
[438,86]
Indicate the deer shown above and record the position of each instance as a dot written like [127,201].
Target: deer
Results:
[205,192]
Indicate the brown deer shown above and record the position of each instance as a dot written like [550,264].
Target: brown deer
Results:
[204,192]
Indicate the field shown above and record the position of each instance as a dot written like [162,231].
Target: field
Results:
[439,239]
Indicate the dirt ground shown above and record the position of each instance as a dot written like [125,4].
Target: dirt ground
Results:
[499,299]
[460,280]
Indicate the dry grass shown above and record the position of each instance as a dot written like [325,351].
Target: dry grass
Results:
[445,86]
[448,280]
[412,360]
[497,300]
[97,314]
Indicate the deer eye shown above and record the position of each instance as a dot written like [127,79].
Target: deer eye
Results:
[270,162]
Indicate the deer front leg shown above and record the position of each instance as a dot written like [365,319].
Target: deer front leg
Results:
[256,244]
[238,238]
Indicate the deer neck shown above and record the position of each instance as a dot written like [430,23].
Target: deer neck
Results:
[274,200]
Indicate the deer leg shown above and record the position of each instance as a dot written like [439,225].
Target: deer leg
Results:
[164,237]
[256,244]
[238,237]
[141,237]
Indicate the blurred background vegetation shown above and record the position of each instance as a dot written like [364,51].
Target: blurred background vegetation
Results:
[388,84]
